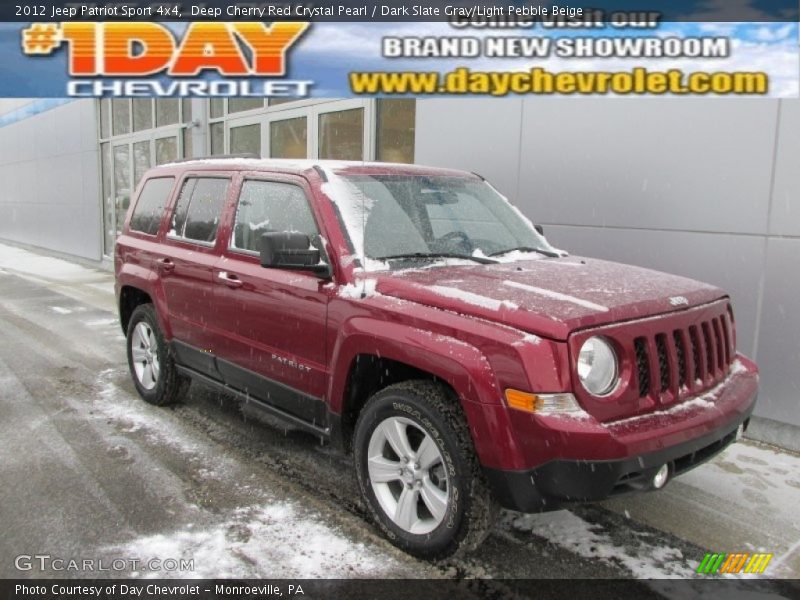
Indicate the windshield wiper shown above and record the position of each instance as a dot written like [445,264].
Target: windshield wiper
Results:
[527,249]
[425,256]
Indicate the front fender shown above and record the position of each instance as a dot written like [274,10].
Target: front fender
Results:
[460,365]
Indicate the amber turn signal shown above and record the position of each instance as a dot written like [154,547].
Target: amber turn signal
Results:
[521,400]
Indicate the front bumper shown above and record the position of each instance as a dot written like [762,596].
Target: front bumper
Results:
[585,471]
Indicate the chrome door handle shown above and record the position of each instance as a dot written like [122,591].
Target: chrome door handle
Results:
[166,265]
[229,279]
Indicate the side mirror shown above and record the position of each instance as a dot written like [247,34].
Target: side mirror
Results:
[291,250]
[539,229]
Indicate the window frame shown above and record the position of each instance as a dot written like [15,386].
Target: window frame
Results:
[273,178]
[126,228]
[179,239]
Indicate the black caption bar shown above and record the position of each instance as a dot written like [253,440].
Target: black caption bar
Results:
[357,589]
[489,12]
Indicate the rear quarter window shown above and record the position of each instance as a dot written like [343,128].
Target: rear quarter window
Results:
[149,207]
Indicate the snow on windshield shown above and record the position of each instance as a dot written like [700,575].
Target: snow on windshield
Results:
[391,216]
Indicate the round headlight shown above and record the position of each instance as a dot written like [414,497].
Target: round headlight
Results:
[597,366]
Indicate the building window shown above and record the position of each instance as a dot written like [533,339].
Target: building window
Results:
[277,101]
[216,108]
[166,150]
[105,114]
[121,116]
[167,111]
[109,230]
[141,161]
[289,138]
[239,104]
[395,127]
[217,133]
[186,105]
[122,183]
[187,142]
[246,139]
[341,135]
[142,114]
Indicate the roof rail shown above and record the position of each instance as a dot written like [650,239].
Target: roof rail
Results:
[321,172]
[218,156]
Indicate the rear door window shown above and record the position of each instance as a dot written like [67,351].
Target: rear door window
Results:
[199,208]
[270,206]
[149,208]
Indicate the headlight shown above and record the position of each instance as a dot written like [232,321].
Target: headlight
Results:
[597,366]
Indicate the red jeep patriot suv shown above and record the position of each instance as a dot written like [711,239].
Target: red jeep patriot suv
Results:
[414,317]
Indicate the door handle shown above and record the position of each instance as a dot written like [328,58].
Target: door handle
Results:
[166,265]
[229,279]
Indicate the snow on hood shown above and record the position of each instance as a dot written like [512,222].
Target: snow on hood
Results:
[548,297]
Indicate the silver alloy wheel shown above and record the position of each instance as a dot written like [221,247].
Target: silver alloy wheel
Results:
[408,476]
[144,351]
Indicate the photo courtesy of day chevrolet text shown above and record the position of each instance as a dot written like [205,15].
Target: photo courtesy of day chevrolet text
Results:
[400,297]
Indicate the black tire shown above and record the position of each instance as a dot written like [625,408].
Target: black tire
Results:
[169,386]
[471,508]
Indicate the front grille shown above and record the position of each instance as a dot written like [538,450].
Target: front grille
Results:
[663,361]
[700,353]
[642,366]
[677,335]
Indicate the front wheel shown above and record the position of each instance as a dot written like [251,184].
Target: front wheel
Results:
[150,360]
[418,472]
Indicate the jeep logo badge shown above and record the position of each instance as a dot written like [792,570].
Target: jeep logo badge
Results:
[678,301]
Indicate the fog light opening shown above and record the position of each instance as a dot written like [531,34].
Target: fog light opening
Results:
[661,477]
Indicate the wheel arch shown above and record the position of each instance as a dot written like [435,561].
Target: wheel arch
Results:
[371,355]
[138,285]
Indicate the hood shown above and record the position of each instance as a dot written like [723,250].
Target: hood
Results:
[548,297]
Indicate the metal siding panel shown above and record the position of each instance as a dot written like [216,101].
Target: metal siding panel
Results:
[779,334]
[785,213]
[471,134]
[662,164]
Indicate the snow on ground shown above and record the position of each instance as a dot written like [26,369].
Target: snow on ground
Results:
[25,263]
[92,286]
[759,478]
[247,542]
[647,559]
[251,542]
[132,414]
[754,475]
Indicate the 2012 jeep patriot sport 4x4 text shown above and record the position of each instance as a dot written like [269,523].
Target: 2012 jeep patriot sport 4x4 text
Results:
[414,317]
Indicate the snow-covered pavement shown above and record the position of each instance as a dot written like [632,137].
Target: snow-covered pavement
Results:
[89,470]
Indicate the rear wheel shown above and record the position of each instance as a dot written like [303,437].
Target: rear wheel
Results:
[150,360]
[418,472]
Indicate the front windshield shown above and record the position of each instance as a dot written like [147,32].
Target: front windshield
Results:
[406,217]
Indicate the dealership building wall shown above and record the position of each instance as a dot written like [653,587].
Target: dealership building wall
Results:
[708,189]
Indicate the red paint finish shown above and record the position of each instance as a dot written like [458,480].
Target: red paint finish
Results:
[305,333]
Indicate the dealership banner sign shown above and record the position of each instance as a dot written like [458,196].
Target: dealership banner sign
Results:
[399,49]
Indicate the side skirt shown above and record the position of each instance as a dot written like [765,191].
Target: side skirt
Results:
[274,411]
